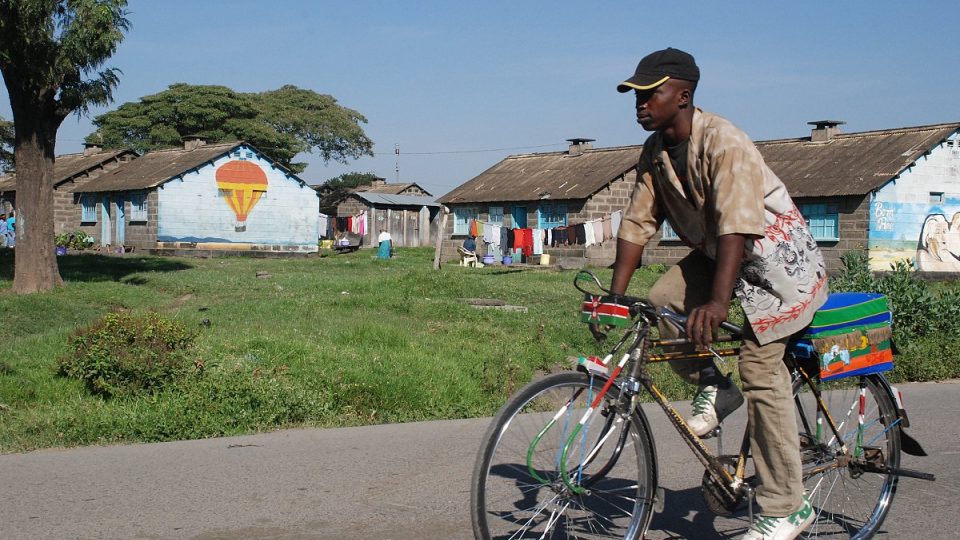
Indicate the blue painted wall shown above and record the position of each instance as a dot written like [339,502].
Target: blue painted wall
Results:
[917,216]
[193,208]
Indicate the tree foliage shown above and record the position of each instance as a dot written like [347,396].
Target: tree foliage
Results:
[6,146]
[350,180]
[281,123]
[51,56]
[335,190]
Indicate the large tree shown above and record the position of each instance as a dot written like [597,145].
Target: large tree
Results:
[6,146]
[281,123]
[51,56]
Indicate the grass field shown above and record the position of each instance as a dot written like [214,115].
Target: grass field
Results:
[332,341]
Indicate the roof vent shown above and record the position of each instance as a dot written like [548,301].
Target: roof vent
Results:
[192,142]
[824,130]
[90,148]
[579,146]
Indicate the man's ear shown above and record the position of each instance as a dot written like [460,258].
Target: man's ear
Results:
[684,98]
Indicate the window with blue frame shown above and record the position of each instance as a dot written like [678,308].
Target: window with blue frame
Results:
[138,207]
[496,215]
[461,218]
[667,233]
[823,220]
[550,215]
[88,209]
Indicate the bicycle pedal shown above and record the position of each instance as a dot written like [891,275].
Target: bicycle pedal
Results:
[715,432]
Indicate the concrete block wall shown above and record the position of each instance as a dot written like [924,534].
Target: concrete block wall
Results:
[853,221]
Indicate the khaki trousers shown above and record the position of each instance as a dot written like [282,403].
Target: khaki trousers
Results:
[771,420]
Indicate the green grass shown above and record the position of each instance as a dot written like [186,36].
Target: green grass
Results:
[333,341]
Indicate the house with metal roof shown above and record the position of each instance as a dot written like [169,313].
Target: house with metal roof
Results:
[69,170]
[199,199]
[894,193]
[543,191]
[406,211]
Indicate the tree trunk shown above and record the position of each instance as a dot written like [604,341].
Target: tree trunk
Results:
[35,263]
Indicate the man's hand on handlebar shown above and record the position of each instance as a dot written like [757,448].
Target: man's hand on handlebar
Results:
[703,322]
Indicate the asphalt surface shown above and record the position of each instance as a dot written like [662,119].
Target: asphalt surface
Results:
[391,482]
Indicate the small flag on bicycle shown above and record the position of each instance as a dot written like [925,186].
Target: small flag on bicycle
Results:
[602,310]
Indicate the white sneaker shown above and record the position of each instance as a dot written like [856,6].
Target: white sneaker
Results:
[711,405]
[781,528]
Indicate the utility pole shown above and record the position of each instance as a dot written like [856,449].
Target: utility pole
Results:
[396,151]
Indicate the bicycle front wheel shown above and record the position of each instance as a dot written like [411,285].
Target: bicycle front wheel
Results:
[518,490]
[849,492]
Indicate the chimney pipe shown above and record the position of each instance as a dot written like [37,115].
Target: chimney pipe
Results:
[579,146]
[90,148]
[824,130]
[192,142]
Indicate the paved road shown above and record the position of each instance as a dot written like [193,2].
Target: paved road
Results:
[393,482]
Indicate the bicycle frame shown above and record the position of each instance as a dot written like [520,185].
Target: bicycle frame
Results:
[636,351]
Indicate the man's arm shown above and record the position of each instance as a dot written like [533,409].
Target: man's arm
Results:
[704,320]
[627,260]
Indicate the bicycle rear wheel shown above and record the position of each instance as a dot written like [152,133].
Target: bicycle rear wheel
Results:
[517,489]
[850,500]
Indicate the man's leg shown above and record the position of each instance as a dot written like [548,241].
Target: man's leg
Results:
[682,288]
[672,291]
[772,425]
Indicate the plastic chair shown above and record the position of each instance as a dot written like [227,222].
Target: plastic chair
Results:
[467,258]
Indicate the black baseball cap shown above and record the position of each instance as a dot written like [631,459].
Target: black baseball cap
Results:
[658,67]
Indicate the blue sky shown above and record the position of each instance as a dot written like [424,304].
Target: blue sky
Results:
[461,85]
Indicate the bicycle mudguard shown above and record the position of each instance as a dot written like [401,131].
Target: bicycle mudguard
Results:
[908,444]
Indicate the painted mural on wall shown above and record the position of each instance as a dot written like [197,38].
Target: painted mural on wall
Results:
[939,249]
[239,201]
[928,234]
[243,183]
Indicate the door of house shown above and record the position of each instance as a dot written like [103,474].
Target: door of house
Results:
[106,238]
[519,216]
[121,221]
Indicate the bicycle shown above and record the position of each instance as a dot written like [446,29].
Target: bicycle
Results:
[572,455]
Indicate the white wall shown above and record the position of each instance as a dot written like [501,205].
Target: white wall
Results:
[193,208]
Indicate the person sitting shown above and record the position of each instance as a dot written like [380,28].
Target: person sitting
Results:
[470,244]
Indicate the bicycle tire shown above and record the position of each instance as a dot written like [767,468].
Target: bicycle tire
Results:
[507,501]
[849,502]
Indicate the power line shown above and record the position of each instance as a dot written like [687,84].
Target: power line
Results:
[474,151]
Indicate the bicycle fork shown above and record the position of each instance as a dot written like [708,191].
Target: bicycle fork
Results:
[576,486]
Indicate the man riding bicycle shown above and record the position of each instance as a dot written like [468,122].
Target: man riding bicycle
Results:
[706,177]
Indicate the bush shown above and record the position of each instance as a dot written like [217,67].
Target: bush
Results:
[124,354]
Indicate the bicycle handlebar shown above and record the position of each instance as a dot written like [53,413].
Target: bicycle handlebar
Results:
[640,305]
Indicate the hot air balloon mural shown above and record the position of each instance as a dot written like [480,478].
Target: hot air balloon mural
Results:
[242,183]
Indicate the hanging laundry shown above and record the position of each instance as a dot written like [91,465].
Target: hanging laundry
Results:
[588,237]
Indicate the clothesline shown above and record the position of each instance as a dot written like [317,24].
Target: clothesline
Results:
[356,224]
[532,240]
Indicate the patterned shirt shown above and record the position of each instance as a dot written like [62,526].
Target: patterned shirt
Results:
[730,190]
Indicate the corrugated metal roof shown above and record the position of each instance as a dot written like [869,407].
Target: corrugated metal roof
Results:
[68,166]
[154,168]
[851,163]
[554,175]
[396,200]
[395,189]
[847,164]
